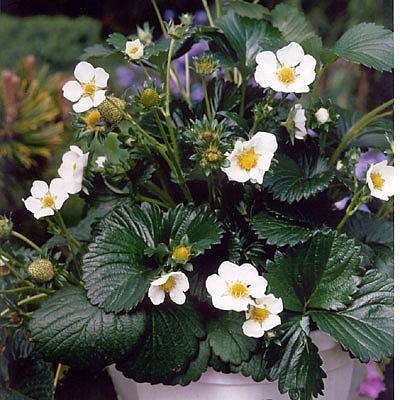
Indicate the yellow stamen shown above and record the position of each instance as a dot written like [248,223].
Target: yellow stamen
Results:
[181,254]
[89,88]
[169,285]
[92,119]
[377,180]
[238,290]
[48,201]
[247,159]
[259,314]
[287,75]
[134,50]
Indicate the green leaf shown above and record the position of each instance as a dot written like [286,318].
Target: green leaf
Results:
[227,339]
[279,231]
[245,38]
[68,329]
[171,343]
[196,367]
[298,368]
[224,96]
[246,9]
[117,40]
[322,273]
[116,270]
[10,394]
[366,327]
[96,51]
[290,181]
[254,368]
[26,371]
[367,44]
[292,23]
[373,135]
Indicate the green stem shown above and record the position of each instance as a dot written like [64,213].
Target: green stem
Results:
[356,129]
[207,9]
[321,72]
[151,200]
[148,76]
[70,239]
[218,7]
[352,207]
[27,300]
[206,99]
[160,20]
[187,76]
[243,97]
[180,87]
[25,289]
[11,258]
[26,240]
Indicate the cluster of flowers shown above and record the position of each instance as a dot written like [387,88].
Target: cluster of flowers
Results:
[237,288]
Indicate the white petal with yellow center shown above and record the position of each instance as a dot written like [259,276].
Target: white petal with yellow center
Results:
[289,71]
[250,160]
[174,284]
[134,49]
[380,180]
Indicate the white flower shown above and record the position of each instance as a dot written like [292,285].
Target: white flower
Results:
[380,179]
[234,286]
[262,316]
[299,119]
[45,200]
[322,115]
[3,261]
[100,161]
[88,90]
[174,283]
[145,34]
[134,49]
[251,159]
[289,71]
[72,168]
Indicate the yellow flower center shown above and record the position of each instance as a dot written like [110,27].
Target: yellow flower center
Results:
[287,75]
[92,119]
[181,253]
[259,314]
[48,201]
[238,290]
[377,180]
[89,88]
[247,159]
[134,50]
[169,285]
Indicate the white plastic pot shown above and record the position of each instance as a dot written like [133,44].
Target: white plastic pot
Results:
[344,378]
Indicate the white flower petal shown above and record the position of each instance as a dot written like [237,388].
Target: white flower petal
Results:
[306,70]
[99,97]
[274,305]
[267,59]
[84,72]
[182,282]
[32,204]
[57,186]
[43,212]
[263,77]
[72,91]
[76,150]
[230,303]
[252,328]
[228,271]
[215,285]
[100,77]
[39,189]
[290,55]
[177,296]
[258,287]
[264,142]
[156,295]
[60,200]
[246,273]
[271,322]
[235,173]
[84,104]
[161,280]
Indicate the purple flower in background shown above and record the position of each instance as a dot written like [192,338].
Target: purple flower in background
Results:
[169,14]
[372,385]
[289,97]
[342,204]
[125,76]
[200,18]
[312,133]
[197,93]
[372,156]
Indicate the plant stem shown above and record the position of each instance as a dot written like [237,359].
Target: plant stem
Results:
[11,258]
[321,72]
[210,19]
[16,290]
[218,7]
[26,240]
[160,20]
[151,200]
[356,129]
[148,76]
[206,99]
[243,97]
[187,75]
[70,239]
[175,77]
[57,375]
[352,207]
[27,300]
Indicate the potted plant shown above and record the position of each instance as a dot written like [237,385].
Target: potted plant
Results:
[215,255]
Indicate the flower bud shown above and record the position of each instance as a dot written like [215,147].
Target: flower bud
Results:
[322,115]
[150,98]
[181,254]
[6,227]
[212,157]
[41,270]
[205,65]
[111,109]
[186,19]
